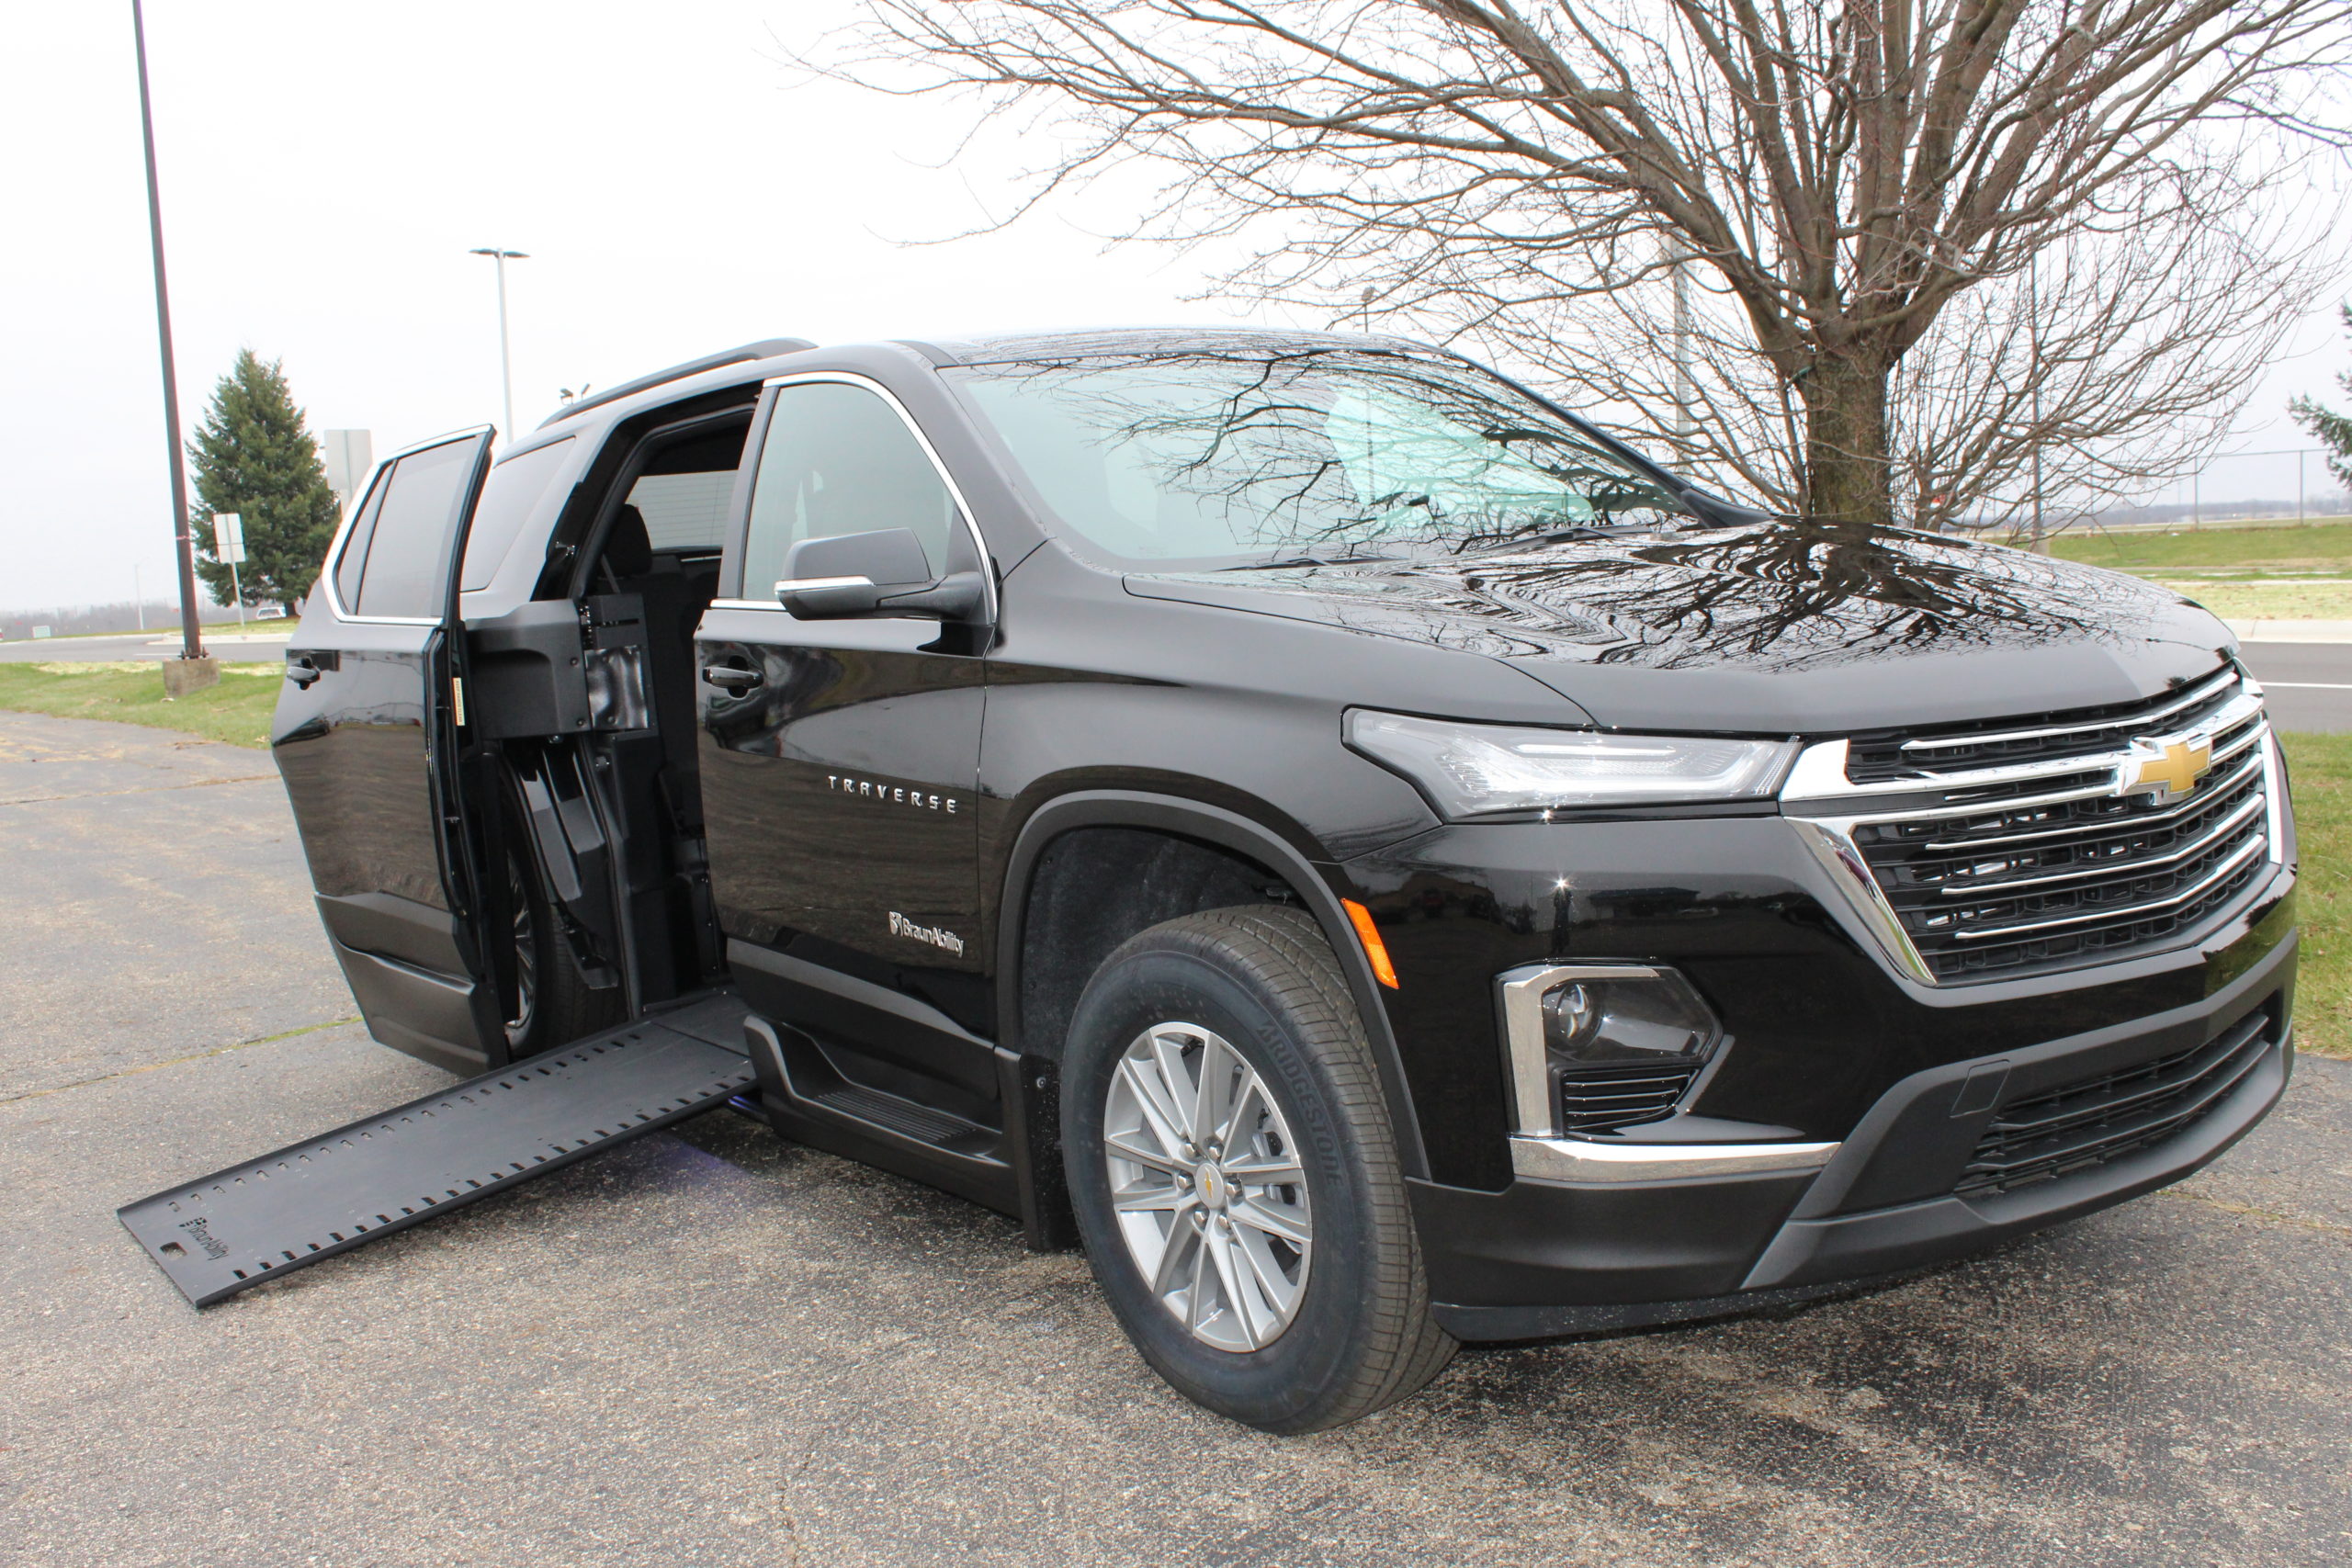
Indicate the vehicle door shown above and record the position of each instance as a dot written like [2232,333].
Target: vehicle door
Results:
[840,756]
[366,737]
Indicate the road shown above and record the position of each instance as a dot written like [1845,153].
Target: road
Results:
[2311,683]
[710,1347]
[162,643]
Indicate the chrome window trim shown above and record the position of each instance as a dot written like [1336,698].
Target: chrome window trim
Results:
[938,465]
[341,540]
[1537,1148]
[1819,778]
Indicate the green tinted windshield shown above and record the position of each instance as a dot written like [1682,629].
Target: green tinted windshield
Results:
[1239,457]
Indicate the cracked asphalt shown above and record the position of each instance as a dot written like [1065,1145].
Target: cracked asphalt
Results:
[712,1347]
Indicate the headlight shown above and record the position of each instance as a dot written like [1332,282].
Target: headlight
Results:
[1479,770]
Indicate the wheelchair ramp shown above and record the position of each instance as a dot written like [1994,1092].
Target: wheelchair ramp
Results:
[329,1193]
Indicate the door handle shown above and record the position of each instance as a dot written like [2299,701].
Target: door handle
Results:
[731,677]
[300,670]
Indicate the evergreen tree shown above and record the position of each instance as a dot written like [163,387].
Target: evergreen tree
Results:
[252,456]
[2335,429]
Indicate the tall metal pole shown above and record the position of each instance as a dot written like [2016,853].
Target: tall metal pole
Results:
[191,632]
[506,358]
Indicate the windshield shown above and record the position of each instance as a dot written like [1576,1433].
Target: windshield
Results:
[1254,458]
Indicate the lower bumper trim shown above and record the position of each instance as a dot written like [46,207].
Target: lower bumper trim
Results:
[1584,1159]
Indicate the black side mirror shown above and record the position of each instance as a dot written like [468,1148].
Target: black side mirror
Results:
[879,574]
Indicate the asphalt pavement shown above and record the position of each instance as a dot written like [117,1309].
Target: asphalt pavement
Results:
[712,1348]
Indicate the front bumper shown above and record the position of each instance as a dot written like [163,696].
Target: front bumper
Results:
[1544,1256]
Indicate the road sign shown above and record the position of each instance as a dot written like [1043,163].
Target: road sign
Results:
[348,454]
[228,537]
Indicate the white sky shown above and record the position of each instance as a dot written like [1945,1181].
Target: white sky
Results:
[326,168]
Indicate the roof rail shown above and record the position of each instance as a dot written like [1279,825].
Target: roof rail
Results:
[766,348]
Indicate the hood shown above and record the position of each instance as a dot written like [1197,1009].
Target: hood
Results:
[1783,628]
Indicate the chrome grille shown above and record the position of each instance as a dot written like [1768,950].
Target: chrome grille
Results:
[1980,872]
[1901,754]
[1602,1100]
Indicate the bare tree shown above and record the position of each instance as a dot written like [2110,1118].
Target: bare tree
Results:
[1861,259]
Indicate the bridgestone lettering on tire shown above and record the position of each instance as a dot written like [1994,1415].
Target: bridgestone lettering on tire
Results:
[1234,1171]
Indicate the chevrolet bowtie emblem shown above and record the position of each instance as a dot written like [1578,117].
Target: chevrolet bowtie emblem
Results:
[2167,768]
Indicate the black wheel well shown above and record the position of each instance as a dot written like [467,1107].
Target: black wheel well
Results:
[1094,887]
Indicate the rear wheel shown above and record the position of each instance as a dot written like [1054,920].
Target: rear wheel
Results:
[550,1003]
[1234,1172]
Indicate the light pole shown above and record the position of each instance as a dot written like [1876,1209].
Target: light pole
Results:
[191,632]
[506,357]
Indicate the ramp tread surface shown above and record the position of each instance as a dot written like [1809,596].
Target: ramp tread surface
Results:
[257,1221]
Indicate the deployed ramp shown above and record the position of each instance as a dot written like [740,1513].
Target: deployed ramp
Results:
[327,1194]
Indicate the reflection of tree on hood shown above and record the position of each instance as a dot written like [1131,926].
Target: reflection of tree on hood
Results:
[1789,594]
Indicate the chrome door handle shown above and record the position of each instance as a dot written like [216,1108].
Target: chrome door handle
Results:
[731,677]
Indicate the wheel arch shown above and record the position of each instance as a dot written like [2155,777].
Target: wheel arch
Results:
[1218,828]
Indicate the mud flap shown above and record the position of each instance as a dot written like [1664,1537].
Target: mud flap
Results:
[327,1194]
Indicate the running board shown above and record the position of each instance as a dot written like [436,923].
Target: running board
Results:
[327,1194]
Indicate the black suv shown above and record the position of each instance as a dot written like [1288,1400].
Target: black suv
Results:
[1373,859]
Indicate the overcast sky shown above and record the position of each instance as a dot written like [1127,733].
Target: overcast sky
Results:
[326,168]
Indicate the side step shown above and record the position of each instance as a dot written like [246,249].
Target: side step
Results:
[327,1194]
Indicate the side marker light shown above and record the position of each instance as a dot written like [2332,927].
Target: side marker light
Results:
[1374,948]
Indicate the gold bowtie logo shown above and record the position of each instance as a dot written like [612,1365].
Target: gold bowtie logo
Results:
[2170,769]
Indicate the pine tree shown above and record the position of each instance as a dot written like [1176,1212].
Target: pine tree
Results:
[2336,429]
[252,456]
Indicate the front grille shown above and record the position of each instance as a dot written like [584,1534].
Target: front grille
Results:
[1887,754]
[2089,1123]
[1602,1100]
[2013,889]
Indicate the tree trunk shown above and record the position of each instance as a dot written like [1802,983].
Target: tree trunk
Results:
[1846,463]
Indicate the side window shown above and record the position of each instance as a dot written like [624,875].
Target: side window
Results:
[838,459]
[686,489]
[354,549]
[513,494]
[408,548]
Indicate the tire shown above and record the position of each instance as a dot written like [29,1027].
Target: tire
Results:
[1290,1306]
[552,1004]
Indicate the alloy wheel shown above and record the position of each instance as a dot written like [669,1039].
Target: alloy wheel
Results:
[1208,1187]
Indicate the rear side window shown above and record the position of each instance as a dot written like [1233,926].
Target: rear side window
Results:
[686,489]
[354,552]
[517,489]
[401,558]
[838,459]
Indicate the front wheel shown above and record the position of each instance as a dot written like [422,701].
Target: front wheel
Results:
[1234,1172]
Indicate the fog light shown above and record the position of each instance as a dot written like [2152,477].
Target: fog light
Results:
[1595,1048]
[1654,1019]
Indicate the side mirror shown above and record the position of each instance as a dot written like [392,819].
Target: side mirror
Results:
[879,574]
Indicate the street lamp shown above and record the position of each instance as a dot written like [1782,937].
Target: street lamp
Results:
[191,638]
[506,357]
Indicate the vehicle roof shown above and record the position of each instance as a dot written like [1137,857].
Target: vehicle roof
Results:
[757,361]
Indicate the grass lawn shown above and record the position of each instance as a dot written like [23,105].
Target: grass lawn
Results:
[238,710]
[2319,548]
[2278,599]
[2321,769]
